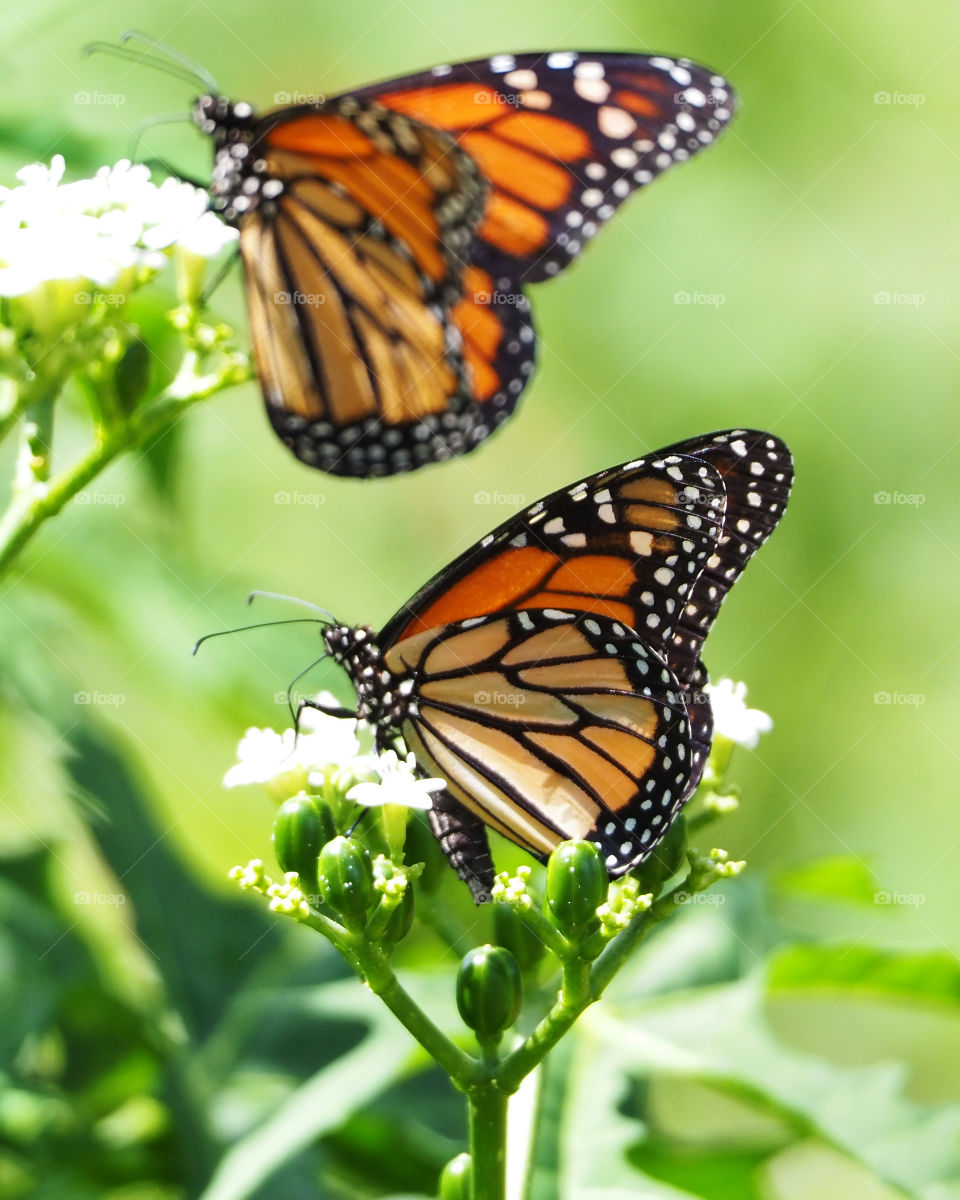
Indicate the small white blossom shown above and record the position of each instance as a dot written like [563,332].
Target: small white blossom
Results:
[93,230]
[731,717]
[284,761]
[398,784]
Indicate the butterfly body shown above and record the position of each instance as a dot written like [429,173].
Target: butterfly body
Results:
[552,674]
[387,235]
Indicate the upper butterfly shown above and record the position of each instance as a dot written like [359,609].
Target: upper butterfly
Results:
[551,675]
[386,233]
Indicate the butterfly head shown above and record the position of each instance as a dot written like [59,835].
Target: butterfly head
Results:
[241,180]
[383,699]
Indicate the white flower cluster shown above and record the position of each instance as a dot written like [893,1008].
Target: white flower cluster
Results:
[731,717]
[97,229]
[285,763]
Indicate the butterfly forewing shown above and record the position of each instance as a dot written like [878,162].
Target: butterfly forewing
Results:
[628,543]
[756,469]
[563,139]
[550,724]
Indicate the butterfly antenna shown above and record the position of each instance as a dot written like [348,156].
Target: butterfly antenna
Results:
[296,679]
[149,123]
[291,600]
[259,625]
[173,55]
[193,75]
[363,813]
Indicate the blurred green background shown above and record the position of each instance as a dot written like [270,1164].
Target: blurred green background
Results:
[820,235]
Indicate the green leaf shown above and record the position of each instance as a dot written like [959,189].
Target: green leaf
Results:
[716,1174]
[205,946]
[928,976]
[323,1102]
[842,879]
[720,1037]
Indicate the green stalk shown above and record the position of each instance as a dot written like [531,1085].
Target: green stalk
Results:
[381,980]
[488,1141]
[575,996]
[22,520]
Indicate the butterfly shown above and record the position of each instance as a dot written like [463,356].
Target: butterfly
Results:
[387,235]
[551,675]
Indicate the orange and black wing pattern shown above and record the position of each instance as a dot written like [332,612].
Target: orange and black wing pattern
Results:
[562,139]
[550,724]
[371,357]
[628,543]
[387,234]
[609,586]
[757,473]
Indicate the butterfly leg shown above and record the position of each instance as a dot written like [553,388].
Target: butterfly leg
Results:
[463,839]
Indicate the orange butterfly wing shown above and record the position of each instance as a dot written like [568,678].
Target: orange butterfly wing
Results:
[562,139]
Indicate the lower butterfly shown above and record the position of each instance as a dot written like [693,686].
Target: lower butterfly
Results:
[551,675]
[388,233]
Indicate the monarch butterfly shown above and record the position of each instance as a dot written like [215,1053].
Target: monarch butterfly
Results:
[387,233]
[551,675]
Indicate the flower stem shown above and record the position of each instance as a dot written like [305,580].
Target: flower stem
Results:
[25,515]
[381,980]
[488,1141]
[575,995]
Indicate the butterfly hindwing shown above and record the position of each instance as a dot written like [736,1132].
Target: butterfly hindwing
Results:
[354,267]
[563,139]
[551,724]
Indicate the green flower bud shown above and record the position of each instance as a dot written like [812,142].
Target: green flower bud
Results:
[131,375]
[398,926]
[456,1178]
[346,877]
[512,931]
[577,884]
[302,828]
[489,991]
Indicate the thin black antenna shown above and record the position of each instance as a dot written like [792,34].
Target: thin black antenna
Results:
[259,625]
[296,679]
